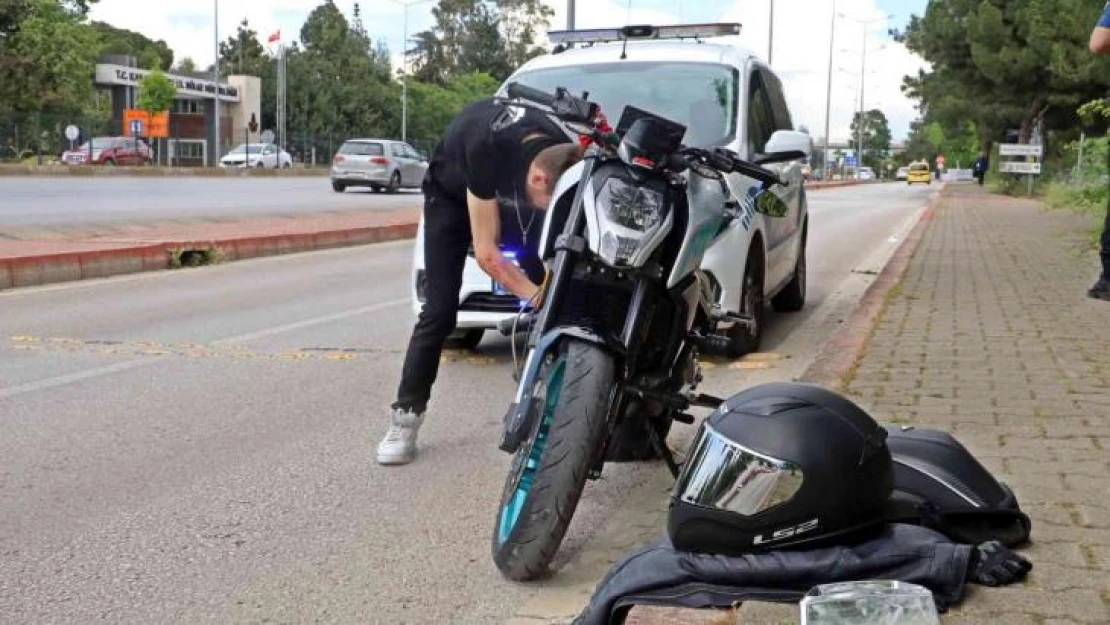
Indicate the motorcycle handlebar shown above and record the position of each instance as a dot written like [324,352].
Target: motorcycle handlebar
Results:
[564,106]
[725,161]
[518,91]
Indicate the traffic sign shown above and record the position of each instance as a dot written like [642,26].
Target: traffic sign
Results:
[850,161]
[1019,167]
[1018,149]
[136,128]
[72,132]
[267,136]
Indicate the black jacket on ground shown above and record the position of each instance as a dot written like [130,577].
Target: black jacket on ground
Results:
[659,575]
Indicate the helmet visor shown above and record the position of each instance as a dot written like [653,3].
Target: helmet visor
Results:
[723,475]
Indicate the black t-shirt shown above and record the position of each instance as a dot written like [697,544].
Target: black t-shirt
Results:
[481,151]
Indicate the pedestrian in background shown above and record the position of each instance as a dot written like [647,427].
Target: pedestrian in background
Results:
[982,164]
[1100,44]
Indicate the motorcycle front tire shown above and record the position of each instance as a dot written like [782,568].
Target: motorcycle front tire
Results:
[572,428]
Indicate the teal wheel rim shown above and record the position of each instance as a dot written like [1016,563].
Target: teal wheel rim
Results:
[527,461]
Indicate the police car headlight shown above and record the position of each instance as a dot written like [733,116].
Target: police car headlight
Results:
[630,219]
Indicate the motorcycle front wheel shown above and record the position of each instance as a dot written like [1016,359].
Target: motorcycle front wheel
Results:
[550,469]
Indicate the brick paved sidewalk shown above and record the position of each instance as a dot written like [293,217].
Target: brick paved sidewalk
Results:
[990,336]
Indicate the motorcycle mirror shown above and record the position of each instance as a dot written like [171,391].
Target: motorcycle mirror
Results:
[767,203]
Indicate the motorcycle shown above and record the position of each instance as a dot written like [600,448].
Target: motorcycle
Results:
[624,311]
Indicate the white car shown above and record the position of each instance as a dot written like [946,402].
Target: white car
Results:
[726,97]
[258,155]
[866,173]
[902,173]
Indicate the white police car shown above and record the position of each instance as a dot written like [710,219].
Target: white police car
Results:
[726,97]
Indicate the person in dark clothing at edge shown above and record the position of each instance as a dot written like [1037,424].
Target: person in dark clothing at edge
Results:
[982,164]
[1100,44]
[488,179]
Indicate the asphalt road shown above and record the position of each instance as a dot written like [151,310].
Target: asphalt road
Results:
[54,201]
[196,446]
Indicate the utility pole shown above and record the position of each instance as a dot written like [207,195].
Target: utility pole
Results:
[570,14]
[216,77]
[771,35]
[405,68]
[828,93]
[862,92]
[862,82]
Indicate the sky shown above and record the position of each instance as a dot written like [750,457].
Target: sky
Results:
[801,40]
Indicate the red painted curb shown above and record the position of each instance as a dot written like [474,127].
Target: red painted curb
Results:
[838,356]
[82,265]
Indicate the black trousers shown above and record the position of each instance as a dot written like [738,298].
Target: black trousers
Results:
[1106,245]
[446,240]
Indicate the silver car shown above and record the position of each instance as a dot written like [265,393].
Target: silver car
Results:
[378,164]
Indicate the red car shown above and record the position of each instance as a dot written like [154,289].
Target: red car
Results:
[110,151]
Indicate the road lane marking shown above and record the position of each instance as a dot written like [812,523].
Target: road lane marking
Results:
[80,376]
[200,350]
[309,323]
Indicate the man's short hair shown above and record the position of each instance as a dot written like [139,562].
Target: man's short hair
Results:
[557,159]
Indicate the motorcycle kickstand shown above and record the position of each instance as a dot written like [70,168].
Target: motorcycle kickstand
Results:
[663,450]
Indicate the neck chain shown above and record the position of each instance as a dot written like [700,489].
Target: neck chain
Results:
[519,219]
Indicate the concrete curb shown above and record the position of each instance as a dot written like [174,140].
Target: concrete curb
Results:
[810,186]
[84,265]
[840,353]
[85,171]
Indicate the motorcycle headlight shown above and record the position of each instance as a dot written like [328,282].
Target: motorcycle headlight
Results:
[631,218]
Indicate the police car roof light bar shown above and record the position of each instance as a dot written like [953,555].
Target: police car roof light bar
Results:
[645,31]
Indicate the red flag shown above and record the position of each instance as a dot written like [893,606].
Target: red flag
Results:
[274,37]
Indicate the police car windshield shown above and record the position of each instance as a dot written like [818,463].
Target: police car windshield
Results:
[701,96]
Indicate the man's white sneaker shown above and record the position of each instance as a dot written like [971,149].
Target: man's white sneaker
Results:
[399,444]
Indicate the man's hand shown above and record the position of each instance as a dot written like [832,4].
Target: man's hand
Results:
[485,230]
[1100,36]
[1100,40]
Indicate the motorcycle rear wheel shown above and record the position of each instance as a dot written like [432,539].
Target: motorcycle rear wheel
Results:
[549,470]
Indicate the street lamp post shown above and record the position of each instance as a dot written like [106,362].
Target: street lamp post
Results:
[862,81]
[771,34]
[828,93]
[216,77]
[405,67]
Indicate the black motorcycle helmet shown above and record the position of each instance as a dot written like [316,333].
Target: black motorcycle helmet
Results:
[781,466]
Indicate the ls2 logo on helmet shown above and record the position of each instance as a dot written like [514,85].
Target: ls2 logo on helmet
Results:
[788,532]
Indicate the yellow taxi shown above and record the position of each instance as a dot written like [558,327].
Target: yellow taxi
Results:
[919,172]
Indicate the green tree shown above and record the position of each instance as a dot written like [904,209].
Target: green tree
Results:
[186,66]
[1005,63]
[960,146]
[432,107]
[339,82]
[149,53]
[45,62]
[156,93]
[242,53]
[488,36]
[876,136]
